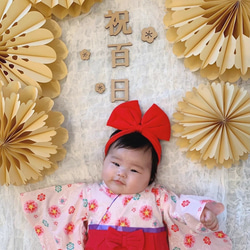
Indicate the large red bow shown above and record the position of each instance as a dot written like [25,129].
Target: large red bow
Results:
[125,240]
[154,125]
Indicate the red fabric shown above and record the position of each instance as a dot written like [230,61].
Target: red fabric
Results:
[112,239]
[154,125]
[133,240]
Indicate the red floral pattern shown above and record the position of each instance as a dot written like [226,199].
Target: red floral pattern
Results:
[175,228]
[93,205]
[185,203]
[220,234]
[81,195]
[109,192]
[30,207]
[207,240]
[71,210]
[69,228]
[106,218]
[146,212]
[155,191]
[41,197]
[158,203]
[123,222]
[39,230]
[189,240]
[165,198]
[54,212]
[126,200]
[93,201]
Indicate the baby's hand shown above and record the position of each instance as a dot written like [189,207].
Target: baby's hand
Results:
[209,215]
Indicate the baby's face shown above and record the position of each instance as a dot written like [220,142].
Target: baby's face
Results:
[127,171]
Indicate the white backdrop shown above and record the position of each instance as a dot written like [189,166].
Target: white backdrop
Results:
[155,76]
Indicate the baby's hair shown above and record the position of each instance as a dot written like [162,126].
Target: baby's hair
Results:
[136,140]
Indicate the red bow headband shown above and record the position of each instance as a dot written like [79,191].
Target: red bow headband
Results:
[154,125]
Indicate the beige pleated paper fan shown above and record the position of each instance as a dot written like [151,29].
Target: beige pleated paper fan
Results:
[213,124]
[30,49]
[212,36]
[62,8]
[31,139]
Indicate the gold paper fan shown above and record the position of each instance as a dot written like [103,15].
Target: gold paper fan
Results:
[63,8]
[213,124]
[30,49]
[31,138]
[212,36]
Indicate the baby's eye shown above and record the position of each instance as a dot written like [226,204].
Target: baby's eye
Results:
[134,171]
[116,164]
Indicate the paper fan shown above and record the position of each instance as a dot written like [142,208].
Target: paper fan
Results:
[62,8]
[30,49]
[213,124]
[212,36]
[31,138]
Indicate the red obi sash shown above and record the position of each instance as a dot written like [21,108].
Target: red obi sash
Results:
[108,238]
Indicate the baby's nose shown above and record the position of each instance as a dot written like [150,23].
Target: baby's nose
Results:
[122,172]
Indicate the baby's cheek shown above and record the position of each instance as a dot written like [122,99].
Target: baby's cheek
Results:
[106,174]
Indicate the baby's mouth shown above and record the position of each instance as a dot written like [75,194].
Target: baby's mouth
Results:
[119,182]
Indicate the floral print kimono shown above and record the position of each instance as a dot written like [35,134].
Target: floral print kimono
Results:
[91,216]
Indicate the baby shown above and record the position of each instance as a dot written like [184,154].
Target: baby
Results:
[127,209]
